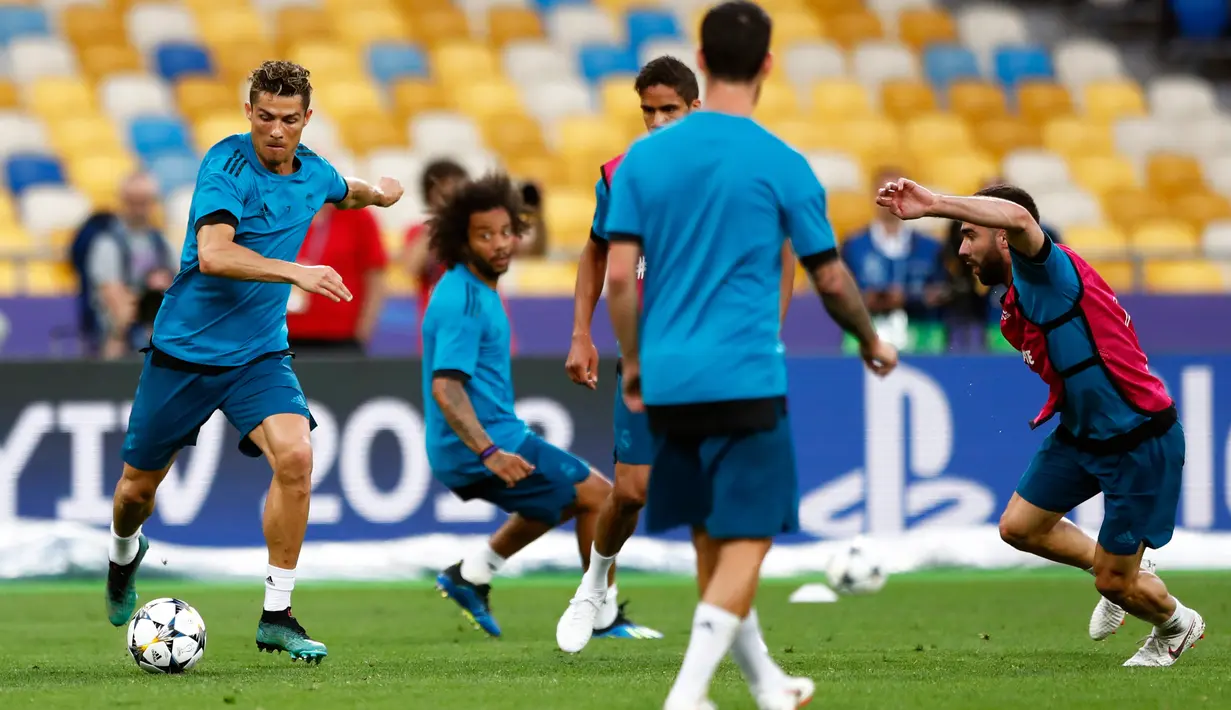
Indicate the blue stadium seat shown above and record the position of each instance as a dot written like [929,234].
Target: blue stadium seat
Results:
[1018,63]
[1201,19]
[27,170]
[174,170]
[389,61]
[944,64]
[649,24]
[177,59]
[16,21]
[152,136]
[546,6]
[599,61]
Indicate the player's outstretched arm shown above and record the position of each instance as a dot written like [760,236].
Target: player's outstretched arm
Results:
[219,255]
[908,200]
[360,194]
[450,395]
[582,363]
[845,305]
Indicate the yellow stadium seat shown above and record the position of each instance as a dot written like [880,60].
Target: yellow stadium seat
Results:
[874,141]
[210,129]
[362,27]
[84,25]
[236,61]
[99,175]
[588,135]
[619,100]
[487,99]
[230,24]
[1100,241]
[1111,100]
[411,8]
[800,134]
[1200,207]
[919,27]
[513,135]
[77,135]
[1118,273]
[1001,136]
[542,168]
[372,132]
[298,24]
[853,28]
[543,277]
[198,96]
[937,134]
[8,278]
[338,8]
[100,60]
[1101,174]
[569,214]
[1071,136]
[1042,101]
[16,241]
[1172,175]
[831,8]
[1165,237]
[49,278]
[849,211]
[1129,208]
[903,98]
[8,214]
[961,173]
[509,24]
[437,27]
[778,99]
[412,96]
[55,96]
[10,97]
[793,27]
[840,100]
[977,100]
[357,98]
[328,61]
[463,61]
[1188,276]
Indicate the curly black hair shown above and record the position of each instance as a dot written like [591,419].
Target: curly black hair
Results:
[280,78]
[449,226]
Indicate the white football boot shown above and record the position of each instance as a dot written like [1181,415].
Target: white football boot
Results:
[576,626]
[1108,616]
[796,693]
[1164,650]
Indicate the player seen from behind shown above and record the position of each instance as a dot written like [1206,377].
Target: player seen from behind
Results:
[710,201]
[476,444]
[1118,432]
[220,339]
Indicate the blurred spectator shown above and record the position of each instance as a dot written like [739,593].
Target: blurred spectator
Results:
[900,273]
[124,267]
[440,177]
[534,243]
[350,242]
[973,314]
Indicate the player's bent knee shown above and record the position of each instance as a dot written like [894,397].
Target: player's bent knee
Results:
[1015,531]
[293,465]
[630,487]
[592,492]
[138,486]
[1112,584]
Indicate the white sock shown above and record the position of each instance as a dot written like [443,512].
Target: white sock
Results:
[713,632]
[595,578]
[611,608]
[479,566]
[1176,623]
[123,549]
[279,583]
[752,656]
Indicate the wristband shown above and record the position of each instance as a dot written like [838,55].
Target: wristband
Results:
[486,453]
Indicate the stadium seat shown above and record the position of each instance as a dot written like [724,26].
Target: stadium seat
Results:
[15,241]
[1071,136]
[569,213]
[807,62]
[488,100]
[1069,207]
[958,173]
[836,171]
[799,133]
[577,135]
[414,96]
[1110,100]
[851,29]
[151,136]
[1041,101]
[225,25]
[53,97]
[778,100]
[1187,276]
[457,62]
[849,211]
[1165,237]
[361,26]
[437,26]
[1081,61]
[358,99]
[300,24]
[102,60]
[197,96]
[49,278]
[646,24]
[922,27]
[541,277]
[174,171]
[1182,97]
[1200,207]
[442,128]
[1000,136]
[208,130]
[236,61]
[985,27]
[97,177]
[1101,174]
[1128,209]
[1216,239]
[33,57]
[1036,171]
[832,8]
[1217,171]
[82,24]
[1118,273]
[543,169]
[1097,241]
[84,134]
[150,24]
[1201,19]
[976,100]
[178,59]
[873,141]
[1139,137]
[514,135]
[551,101]
[617,96]
[362,138]
[1170,175]
[902,99]
[51,209]
[388,62]
[20,133]
[17,22]
[1015,64]
[839,100]
[937,134]
[878,61]
[126,96]
[26,170]
[598,61]
[945,64]
[10,95]
[571,26]
[507,24]
[530,62]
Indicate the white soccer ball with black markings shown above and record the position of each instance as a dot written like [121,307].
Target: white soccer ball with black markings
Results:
[166,636]
[855,570]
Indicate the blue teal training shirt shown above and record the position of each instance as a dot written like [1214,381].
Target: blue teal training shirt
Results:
[212,320]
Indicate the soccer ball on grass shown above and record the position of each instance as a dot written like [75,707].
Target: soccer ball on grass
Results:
[855,570]
[166,636]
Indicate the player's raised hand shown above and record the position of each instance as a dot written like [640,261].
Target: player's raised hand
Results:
[582,362]
[879,357]
[323,280]
[906,199]
[632,386]
[388,192]
[508,467]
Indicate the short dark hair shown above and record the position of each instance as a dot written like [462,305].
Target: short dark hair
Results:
[669,72]
[735,40]
[450,224]
[280,78]
[439,171]
[1013,194]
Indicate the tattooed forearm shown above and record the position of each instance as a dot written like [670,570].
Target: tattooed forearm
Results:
[450,395]
[842,300]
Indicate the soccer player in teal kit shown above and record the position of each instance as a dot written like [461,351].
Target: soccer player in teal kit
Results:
[220,339]
[704,358]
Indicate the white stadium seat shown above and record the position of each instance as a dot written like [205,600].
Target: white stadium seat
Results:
[808,62]
[836,171]
[151,24]
[1216,240]
[1137,137]
[1217,170]
[985,27]
[47,209]
[127,96]
[445,128]
[880,61]
[529,62]
[1036,170]
[1081,61]
[21,133]
[1070,207]
[34,57]
[571,26]
[1182,97]
[888,11]
[551,101]
[1201,137]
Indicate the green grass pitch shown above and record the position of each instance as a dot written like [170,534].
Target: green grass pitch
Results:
[945,640]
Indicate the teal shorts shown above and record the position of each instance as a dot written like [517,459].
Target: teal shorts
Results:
[545,494]
[634,446]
